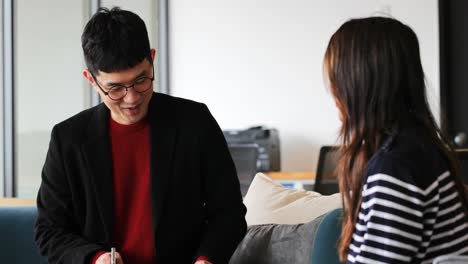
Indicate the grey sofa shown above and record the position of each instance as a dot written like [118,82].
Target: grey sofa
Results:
[312,242]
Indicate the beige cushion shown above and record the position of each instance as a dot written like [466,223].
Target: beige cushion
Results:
[269,202]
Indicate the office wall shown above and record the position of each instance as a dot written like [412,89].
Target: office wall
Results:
[260,62]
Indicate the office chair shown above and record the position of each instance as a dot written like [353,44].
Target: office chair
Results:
[462,155]
[326,181]
[245,158]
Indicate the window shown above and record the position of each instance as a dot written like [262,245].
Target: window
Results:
[49,85]
[1,107]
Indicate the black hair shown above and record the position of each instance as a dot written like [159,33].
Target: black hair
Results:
[114,40]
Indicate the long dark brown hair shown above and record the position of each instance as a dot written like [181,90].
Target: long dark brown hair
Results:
[376,77]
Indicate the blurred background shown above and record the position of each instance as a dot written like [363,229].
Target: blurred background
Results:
[254,63]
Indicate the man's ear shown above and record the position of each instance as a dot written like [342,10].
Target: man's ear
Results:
[153,54]
[87,75]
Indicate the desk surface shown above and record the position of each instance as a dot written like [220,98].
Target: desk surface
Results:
[17,202]
[297,176]
[305,176]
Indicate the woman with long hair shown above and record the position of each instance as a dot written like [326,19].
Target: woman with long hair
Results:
[403,199]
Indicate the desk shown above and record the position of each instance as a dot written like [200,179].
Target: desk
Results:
[17,202]
[306,177]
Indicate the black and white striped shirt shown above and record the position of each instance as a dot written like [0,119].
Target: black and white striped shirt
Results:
[410,210]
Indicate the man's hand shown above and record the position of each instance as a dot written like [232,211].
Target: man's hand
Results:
[203,262]
[106,258]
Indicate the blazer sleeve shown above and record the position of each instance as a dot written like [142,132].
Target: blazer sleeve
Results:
[56,232]
[226,225]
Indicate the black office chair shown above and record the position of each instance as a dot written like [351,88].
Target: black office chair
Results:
[326,181]
[245,158]
[462,155]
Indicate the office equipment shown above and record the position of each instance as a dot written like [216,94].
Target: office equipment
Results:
[268,145]
[326,181]
[245,158]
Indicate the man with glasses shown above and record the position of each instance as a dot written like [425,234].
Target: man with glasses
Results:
[145,173]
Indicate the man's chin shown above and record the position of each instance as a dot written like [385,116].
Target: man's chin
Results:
[133,119]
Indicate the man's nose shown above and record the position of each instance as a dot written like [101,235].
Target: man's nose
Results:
[132,95]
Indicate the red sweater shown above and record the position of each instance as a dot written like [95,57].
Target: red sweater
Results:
[133,229]
[133,232]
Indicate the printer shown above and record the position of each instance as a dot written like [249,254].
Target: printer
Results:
[266,141]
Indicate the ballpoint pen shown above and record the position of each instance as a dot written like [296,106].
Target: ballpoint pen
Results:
[113,255]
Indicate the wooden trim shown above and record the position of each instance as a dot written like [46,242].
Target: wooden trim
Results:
[17,202]
[308,175]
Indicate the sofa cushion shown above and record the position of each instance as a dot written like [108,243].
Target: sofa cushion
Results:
[269,202]
[277,243]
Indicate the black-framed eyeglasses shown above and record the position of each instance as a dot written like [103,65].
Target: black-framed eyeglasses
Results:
[117,92]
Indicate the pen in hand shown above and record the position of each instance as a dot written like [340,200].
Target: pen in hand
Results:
[113,255]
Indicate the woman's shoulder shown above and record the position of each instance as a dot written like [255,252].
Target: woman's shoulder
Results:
[409,158]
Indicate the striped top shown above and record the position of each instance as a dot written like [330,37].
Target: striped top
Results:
[410,210]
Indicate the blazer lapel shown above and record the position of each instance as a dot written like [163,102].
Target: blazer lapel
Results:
[162,140]
[97,154]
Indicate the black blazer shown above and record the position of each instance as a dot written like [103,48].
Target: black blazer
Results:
[196,203]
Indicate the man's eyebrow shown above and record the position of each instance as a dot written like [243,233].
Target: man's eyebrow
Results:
[141,74]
